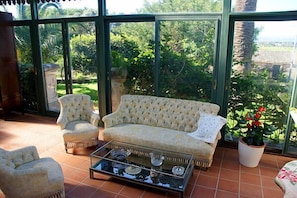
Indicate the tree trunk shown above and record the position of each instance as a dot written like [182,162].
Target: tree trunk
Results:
[243,38]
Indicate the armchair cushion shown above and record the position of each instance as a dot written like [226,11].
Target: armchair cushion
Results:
[79,130]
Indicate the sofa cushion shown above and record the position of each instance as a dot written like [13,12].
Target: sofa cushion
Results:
[208,127]
[161,138]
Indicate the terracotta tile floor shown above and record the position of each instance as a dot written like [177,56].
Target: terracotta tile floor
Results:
[226,178]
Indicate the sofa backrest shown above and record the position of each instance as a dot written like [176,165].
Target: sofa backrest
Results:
[177,114]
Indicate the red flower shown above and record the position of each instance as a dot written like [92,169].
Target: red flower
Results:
[256,123]
[261,109]
[258,115]
[248,117]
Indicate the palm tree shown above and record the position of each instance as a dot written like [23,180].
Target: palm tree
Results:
[243,38]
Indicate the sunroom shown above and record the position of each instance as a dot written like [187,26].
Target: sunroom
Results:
[239,54]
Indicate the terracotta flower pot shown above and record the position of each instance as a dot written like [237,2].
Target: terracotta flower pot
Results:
[249,155]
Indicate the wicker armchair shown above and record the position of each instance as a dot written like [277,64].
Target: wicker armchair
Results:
[24,175]
[77,121]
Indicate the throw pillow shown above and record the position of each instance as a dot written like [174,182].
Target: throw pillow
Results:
[209,126]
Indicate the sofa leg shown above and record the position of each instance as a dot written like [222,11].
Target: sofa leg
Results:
[65,144]
[202,168]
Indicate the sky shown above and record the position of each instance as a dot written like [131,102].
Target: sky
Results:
[276,31]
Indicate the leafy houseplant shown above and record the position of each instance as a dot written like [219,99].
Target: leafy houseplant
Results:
[256,129]
[251,145]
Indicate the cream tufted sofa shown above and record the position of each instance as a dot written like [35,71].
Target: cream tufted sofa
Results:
[162,123]
[24,175]
[78,122]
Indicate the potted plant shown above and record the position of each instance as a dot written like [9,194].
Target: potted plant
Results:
[251,145]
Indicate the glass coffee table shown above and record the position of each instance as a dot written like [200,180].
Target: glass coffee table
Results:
[159,169]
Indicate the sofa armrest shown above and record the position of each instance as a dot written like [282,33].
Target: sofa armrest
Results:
[113,119]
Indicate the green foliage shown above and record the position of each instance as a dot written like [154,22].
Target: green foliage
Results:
[123,49]
[89,88]
[83,53]
[169,6]
[248,93]
[27,82]
[186,57]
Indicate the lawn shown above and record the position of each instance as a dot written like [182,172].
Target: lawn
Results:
[89,88]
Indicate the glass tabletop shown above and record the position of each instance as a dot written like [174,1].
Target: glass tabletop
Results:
[142,164]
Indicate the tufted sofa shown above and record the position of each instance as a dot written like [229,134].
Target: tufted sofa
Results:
[162,123]
[25,175]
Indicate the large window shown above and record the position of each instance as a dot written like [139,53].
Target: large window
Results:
[166,48]
[263,75]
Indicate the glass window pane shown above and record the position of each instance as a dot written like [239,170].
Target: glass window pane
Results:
[263,5]
[263,73]
[187,59]
[83,59]
[62,9]
[132,59]
[52,61]
[19,12]
[26,67]
[115,7]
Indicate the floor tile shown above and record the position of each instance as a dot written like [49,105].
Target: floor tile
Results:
[227,185]
[225,178]
[250,190]
[250,178]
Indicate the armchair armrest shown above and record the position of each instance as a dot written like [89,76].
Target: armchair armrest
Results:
[94,119]
[62,120]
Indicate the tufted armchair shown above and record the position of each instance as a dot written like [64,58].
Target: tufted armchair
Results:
[25,175]
[77,121]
